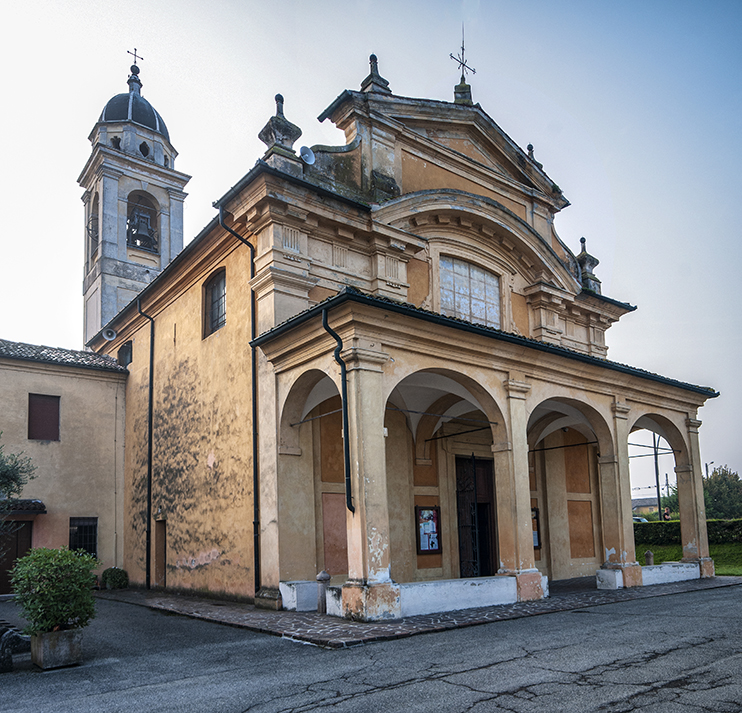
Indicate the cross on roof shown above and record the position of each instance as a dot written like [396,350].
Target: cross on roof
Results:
[135,55]
[461,58]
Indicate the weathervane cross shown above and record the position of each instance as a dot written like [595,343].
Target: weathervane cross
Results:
[135,55]
[461,58]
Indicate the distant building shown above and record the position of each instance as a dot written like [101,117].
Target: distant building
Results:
[643,506]
[65,410]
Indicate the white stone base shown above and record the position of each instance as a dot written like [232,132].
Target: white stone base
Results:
[300,595]
[443,595]
[335,601]
[609,579]
[670,572]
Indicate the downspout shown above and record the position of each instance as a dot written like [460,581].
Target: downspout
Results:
[344,399]
[150,434]
[254,377]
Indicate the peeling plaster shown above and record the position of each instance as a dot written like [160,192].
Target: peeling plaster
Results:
[201,559]
[610,552]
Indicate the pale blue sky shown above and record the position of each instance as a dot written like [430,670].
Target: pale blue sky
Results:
[633,108]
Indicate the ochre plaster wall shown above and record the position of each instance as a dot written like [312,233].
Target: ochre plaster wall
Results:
[419,175]
[201,473]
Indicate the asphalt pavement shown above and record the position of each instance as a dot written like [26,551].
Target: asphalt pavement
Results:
[674,653]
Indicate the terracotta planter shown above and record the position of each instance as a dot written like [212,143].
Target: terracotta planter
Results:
[55,649]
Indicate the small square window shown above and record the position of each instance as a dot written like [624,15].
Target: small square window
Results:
[43,417]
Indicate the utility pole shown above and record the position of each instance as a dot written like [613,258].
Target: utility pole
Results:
[655,445]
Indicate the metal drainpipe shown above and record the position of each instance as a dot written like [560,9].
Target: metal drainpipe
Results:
[254,376]
[150,429]
[344,399]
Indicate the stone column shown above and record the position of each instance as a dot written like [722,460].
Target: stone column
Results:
[369,594]
[693,534]
[619,554]
[513,497]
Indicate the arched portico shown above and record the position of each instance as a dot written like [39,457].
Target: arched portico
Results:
[682,436]
[579,494]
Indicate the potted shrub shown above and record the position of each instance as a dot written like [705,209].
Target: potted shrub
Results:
[55,591]
[114,578]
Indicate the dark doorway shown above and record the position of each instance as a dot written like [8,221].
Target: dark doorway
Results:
[15,541]
[161,553]
[476,516]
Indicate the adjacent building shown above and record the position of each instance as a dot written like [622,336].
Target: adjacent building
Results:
[65,410]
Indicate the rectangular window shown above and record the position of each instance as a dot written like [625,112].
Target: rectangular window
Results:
[215,303]
[84,534]
[469,292]
[43,417]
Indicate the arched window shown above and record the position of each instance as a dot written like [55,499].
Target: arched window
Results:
[215,302]
[469,292]
[93,230]
[141,223]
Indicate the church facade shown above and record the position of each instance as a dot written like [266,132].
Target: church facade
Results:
[380,360]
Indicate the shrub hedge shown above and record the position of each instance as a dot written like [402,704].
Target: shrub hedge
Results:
[668,533]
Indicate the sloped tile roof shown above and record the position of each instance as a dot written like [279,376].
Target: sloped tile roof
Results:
[56,355]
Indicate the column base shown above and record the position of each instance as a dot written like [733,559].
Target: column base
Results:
[371,602]
[705,566]
[530,587]
[617,576]
[269,598]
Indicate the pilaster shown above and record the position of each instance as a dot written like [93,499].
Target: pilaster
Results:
[619,551]
[693,532]
[369,593]
[515,534]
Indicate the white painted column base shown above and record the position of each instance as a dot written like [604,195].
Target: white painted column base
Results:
[651,574]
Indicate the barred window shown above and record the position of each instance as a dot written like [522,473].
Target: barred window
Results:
[469,292]
[84,534]
[215,303]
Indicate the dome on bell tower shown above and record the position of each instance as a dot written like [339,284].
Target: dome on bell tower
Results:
[132,106]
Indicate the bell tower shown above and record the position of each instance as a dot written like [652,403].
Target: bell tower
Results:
[133,204]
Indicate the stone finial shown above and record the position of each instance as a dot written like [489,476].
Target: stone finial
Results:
[135,84]
[375,82]
[532,157]
[587,262]
[279,132]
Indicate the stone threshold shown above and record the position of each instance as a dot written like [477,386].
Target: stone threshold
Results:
[335,633]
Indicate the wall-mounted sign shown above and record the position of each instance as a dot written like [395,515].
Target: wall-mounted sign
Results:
[536,526]
[428,521]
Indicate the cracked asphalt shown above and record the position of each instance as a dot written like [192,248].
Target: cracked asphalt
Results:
[676,653]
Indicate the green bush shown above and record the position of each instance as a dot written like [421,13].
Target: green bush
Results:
[668,533]
[55,589]
[114,578]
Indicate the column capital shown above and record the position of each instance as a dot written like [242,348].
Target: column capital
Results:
[684,469]
[365,359]
[606,460]
[517,389]
[620,409]
[693,424]
[503,447]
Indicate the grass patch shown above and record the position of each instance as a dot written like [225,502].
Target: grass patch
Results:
[727,557]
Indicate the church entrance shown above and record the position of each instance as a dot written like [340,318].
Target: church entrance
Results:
[476,516]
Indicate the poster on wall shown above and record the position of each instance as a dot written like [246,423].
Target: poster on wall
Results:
[428,519]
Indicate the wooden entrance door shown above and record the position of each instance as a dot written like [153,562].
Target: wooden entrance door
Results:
[15,541]
[476,517]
